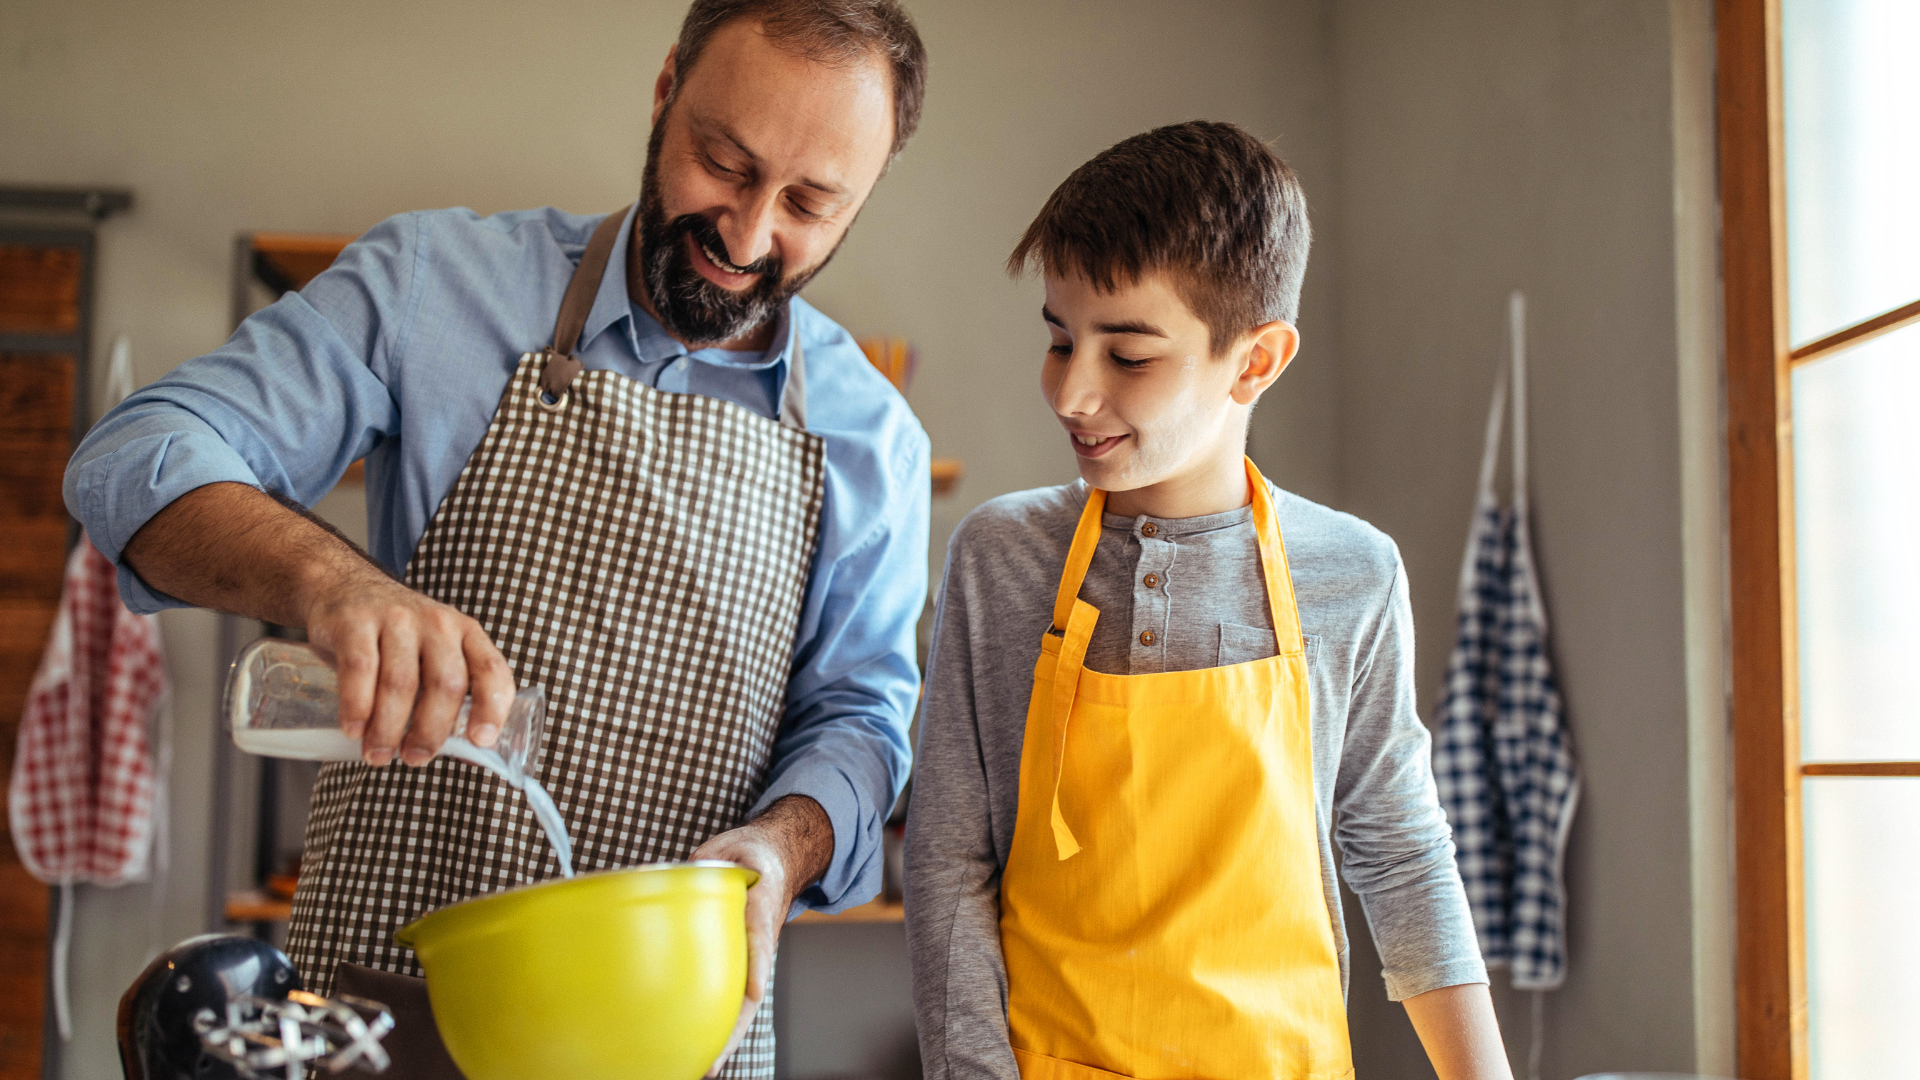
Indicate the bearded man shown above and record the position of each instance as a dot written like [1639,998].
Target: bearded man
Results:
[613,456]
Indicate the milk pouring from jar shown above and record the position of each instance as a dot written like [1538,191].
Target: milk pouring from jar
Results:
[283,700]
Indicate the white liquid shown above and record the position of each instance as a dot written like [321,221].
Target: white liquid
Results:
[332,744]
[295,685]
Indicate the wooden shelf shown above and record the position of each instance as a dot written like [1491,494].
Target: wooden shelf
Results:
[875,911]
[946,475]
[256,906]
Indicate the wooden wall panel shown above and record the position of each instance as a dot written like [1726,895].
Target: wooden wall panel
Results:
[36,438]
[39,289]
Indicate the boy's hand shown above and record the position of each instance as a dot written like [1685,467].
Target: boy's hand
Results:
[790,847]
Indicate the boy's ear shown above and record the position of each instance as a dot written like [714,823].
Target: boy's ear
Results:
[1269,349]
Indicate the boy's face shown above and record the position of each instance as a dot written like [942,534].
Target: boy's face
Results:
[1132,378]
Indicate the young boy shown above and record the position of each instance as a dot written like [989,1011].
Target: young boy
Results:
[1145,714]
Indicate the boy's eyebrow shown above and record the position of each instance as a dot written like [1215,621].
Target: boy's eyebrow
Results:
[1133,326]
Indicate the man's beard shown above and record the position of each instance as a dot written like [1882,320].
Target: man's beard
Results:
[689,306]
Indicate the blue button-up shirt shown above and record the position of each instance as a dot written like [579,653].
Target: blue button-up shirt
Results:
[400,352]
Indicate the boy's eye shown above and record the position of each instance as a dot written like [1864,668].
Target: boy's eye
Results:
[1057,349]
[1129,362]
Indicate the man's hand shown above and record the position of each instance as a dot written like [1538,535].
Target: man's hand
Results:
[405,660]
[789,846]
[405,663]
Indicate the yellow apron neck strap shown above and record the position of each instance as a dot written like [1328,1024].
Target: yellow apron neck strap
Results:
[1273,561]
[1079,557]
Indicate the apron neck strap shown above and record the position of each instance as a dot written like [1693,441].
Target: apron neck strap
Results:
[1079,557]
[1273,562]
[577,304]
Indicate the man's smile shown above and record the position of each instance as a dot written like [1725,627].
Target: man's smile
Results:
[715,267]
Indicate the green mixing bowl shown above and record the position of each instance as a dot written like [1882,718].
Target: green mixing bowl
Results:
[635,973]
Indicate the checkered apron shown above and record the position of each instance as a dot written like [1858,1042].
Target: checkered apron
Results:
[1503,761]
[642,556]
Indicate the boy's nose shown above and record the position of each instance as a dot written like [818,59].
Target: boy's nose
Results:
[1078,392]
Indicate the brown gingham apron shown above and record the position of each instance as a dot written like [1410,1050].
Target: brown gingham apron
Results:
[643,556]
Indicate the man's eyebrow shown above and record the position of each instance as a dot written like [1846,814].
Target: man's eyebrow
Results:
[722,131]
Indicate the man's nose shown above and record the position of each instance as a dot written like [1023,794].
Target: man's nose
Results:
[748,228]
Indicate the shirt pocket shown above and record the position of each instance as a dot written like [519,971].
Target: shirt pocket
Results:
[1240,644]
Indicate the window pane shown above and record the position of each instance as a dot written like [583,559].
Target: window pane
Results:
[1863,942]
[1852,95]
[1856,466]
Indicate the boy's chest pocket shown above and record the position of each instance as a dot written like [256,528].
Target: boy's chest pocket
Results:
[1240,644]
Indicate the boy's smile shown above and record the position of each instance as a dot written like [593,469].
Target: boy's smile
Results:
[1153,416]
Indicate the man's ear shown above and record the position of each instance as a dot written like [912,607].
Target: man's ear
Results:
[663,85]
[1269,349]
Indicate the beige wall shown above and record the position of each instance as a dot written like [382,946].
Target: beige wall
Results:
[226,116]
[1488,145]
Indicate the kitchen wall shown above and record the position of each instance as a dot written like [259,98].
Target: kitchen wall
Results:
[225,116]
[1489,145]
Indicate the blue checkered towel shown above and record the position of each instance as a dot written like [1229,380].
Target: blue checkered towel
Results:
[1502,758]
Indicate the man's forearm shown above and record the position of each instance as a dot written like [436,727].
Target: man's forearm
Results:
[1461,1034]
[235,548]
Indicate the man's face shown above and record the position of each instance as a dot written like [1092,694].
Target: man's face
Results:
[1131,377]
[755,169]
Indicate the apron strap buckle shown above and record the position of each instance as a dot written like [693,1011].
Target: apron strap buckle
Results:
[556,378]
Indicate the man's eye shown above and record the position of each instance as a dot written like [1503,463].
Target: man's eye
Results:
[721,169]
[804,210]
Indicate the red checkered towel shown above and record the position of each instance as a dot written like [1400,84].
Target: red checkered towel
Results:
[83,792]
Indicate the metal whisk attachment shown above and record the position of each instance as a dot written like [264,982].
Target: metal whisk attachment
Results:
[269,1039]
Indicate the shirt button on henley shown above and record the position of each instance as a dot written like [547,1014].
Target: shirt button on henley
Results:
[1152,581]
[1146,637]
[1149,529]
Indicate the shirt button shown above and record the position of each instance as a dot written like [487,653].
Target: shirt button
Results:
[1149,529]
[1152,581]
[1146,637]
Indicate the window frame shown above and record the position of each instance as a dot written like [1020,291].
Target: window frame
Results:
[1770,967]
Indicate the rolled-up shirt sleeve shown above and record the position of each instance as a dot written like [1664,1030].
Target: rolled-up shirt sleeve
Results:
[1397,849]
[291,399]
[856,677]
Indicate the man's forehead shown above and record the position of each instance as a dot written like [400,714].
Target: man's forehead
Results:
[769,101]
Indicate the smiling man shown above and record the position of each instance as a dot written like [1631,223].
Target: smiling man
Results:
[613,456]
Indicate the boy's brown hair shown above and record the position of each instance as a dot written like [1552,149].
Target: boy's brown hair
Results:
[1203,202]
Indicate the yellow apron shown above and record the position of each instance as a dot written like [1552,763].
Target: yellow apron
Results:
[1188,939]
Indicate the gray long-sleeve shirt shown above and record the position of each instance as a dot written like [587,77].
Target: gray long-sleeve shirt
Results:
[1197,584]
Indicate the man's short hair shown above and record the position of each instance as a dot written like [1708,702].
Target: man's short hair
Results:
[829,32]
[1203,202]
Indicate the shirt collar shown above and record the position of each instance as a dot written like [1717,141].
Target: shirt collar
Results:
[649,341]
